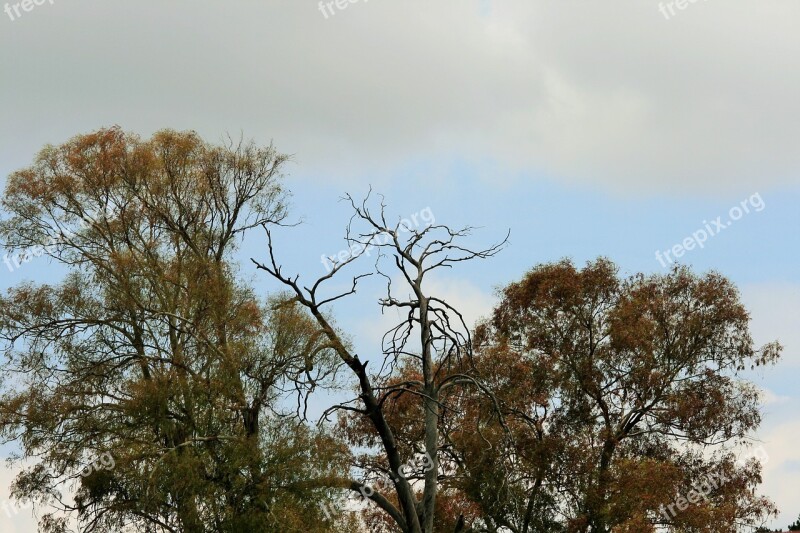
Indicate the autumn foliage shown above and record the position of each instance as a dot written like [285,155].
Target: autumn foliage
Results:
[586,402]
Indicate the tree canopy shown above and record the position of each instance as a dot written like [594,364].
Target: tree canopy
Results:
[151,350]
[152,388]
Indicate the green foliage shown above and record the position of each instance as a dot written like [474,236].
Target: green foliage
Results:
[150,350]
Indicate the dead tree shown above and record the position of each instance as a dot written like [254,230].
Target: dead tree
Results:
[432,336]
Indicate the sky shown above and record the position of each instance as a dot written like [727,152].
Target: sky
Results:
[619,129]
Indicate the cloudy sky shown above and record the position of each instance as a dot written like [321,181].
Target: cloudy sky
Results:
[585,128]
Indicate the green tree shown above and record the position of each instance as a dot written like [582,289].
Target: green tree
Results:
[151,353]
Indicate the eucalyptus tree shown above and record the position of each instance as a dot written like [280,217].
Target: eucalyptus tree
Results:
[151,352]
[624,406]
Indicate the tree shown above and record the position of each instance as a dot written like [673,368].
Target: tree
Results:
[151,384]
[430,343]
[151,354]
[620,401]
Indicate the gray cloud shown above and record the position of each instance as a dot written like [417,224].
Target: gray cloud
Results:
[610,94]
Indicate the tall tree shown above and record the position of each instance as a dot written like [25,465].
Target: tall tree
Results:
[621,403]
[430,343]
[151,354]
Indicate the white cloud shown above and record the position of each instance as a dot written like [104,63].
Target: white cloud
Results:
[769,398]
[775,308]
[781,471]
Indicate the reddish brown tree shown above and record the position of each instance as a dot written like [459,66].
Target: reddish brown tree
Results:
[620,398]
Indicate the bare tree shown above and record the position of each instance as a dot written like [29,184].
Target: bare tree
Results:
[432,339]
